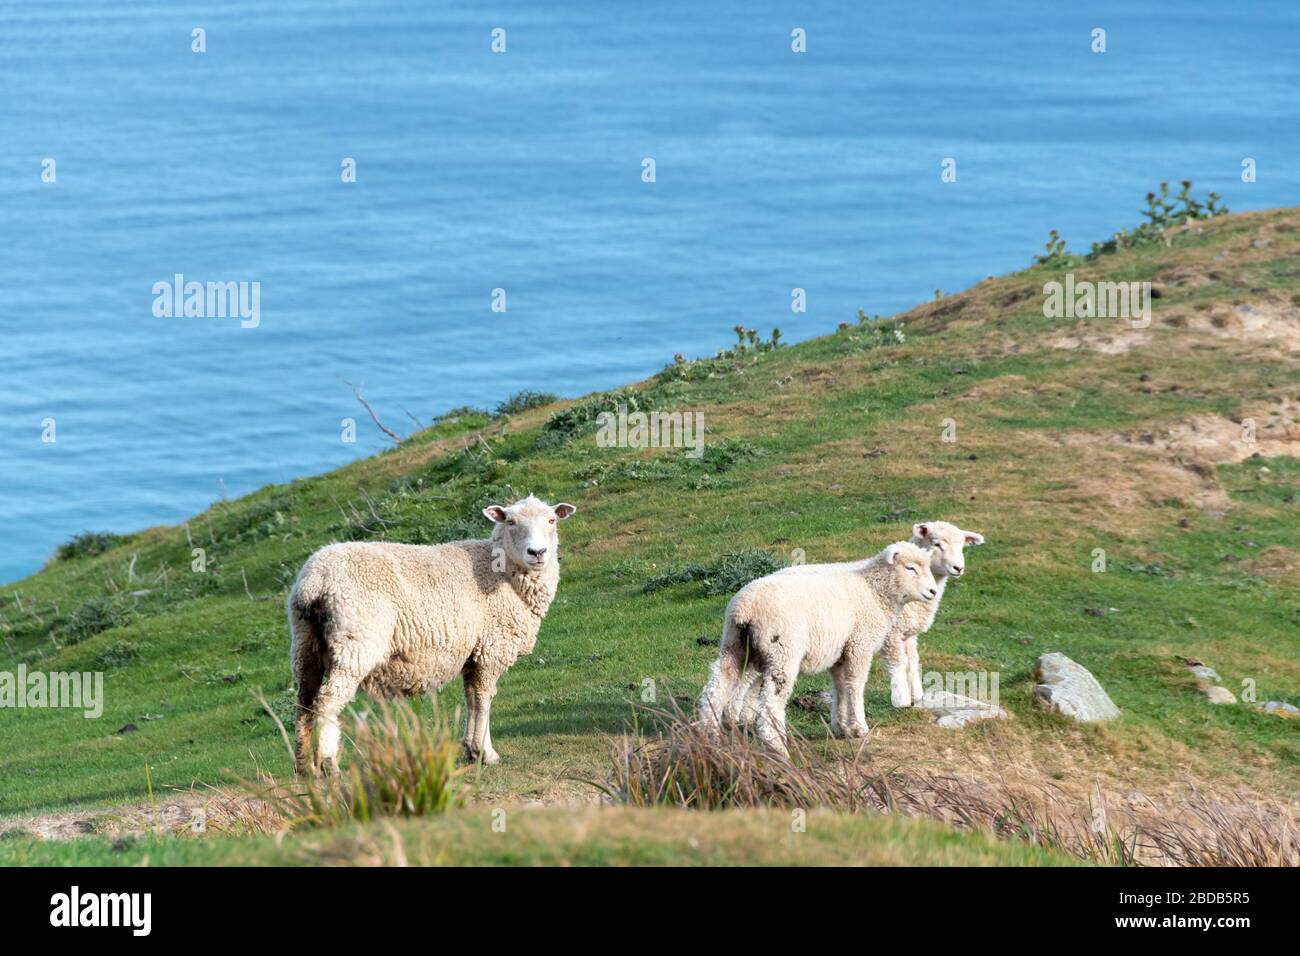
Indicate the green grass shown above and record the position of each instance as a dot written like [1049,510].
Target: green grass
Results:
[570,837]
[831,448]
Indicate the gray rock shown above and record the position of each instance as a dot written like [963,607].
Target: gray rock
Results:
[1278,707]
[1206,673]
[1068,688]
[1217,694]
[953,711]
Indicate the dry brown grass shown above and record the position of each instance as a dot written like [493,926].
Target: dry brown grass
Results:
[682,765]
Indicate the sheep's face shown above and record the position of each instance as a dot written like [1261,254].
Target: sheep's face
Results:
[525,531]
[946,544]
[912,575]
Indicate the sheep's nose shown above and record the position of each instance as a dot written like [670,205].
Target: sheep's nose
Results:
[536,552]
[931,593]
[957,570]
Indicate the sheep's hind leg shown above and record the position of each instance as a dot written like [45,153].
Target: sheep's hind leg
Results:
[335,694]
[309,684]
[740,710]
[841,705]
[308,672]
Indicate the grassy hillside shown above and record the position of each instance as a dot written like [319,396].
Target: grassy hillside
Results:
[1071,435]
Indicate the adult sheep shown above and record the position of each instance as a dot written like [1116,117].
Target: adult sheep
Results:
[810,619]
[401,619]
[946,544]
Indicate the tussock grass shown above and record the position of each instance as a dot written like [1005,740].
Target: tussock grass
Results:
[684,765]
[399,765]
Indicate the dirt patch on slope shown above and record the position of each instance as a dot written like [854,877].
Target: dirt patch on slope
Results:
[1262,320]
[1277,561]
[1179,461]
[1114,342]
[121,821]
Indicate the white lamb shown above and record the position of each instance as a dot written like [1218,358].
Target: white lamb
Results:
[809,619]
[396,619]
[946,544]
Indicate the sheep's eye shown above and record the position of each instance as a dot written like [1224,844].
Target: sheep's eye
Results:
[510,521]
[552,521]
[912,568]
[938,546]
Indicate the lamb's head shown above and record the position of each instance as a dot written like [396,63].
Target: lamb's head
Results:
[946,544]
[908,575]
[525,531]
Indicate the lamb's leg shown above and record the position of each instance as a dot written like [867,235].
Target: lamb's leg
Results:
[900,687]
[478,736]
[308,672]
[841,705]
[338,690]
[726,677]
[741,707]
[914,672]
[774,691]
[854,673]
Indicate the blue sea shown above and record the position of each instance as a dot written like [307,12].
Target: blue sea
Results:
[522,171]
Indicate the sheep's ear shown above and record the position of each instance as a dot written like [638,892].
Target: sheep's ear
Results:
[891,554]
[564,509]
[973,537]
[920,531]
[495,513]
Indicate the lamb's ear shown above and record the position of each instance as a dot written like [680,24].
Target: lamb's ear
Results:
[921,531]
[494,513]
[891,554]
[973,537]
[564,509]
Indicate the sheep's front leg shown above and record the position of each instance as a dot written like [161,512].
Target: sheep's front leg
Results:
[471,706]
[774,689]
[914,672]
[478,736]
[854,671]
[900,686]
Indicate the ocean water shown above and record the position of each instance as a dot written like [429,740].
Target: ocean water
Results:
[522,171]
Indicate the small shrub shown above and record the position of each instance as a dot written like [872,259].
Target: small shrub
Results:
[725,575]
[464,414]
[91,617]
[456,529]
[117,654]
[523,401]
[1162,213]
[1056,256]
[872,333]
[749,346]
[580,418]
[88,544]
[698,472]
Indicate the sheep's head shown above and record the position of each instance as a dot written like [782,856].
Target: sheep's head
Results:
[525,531]
[946,544]
[909,567]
